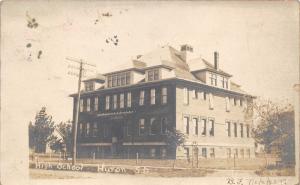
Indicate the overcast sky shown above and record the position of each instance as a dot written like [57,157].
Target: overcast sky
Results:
[257,42]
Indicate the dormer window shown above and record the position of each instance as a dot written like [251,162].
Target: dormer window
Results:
[89,86]
[120,79]
[153,74]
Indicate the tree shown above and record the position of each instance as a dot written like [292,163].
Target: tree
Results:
[174,139]
[40,133]
[275,129]
[64,143]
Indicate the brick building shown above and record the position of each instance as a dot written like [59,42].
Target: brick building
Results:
[129,111]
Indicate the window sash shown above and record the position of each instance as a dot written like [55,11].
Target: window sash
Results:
[248,131]
[142,127]
[235,129]
[115,101]
[229,129]
[107,98]
[186,125]
[142,97]
[195,124]
[203,127]
[242,130]
[121,100]
[96,102]
[129,99]
[212,127]
[152,91]
[164,95]
[88,104]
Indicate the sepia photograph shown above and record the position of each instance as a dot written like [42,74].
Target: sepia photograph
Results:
[150,92]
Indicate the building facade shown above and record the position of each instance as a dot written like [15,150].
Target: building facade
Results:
[129,112]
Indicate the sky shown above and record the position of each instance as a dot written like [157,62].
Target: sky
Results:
[257,43]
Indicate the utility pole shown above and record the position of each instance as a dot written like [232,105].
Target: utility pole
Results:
[75,123]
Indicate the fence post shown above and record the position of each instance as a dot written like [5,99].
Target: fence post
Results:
[137,158]
[94,156]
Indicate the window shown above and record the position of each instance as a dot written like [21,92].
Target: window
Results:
[227,104]
[115,101]
[236,154]
[121,100]
[118,79]
[142,97]
[248,131]
[105,131]
[164,125]
[213,79]
[109,81]
[156,74]
[88,129]
[242,153]
[163,152]
[123,79]
[195,125]
[212,127]
[234,101]
[212,153]
[152,92]
[142,127]
[248,153]
[228,152]
[203,127]
[235,129]
[129,99]
[114,81]
[228,128]
[241,102]
[242,130]
[224,82]
[127,129]
[80,129]
[185,96]
[81,105]
[89,86]
[88,106]
[204,152]
[186,125]
[128,79]
[164,95]
[187,152]
[96,102]
[154,126]
[211,101]
[153,74]
[95,130]
[107,102]
[152,152]
[194,94]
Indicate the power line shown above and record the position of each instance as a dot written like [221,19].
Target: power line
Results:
[75,123]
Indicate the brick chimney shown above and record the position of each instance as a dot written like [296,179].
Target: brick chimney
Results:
[216,60]
[186,52]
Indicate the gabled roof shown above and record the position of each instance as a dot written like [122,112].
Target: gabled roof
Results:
[98,78]
[200,64]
